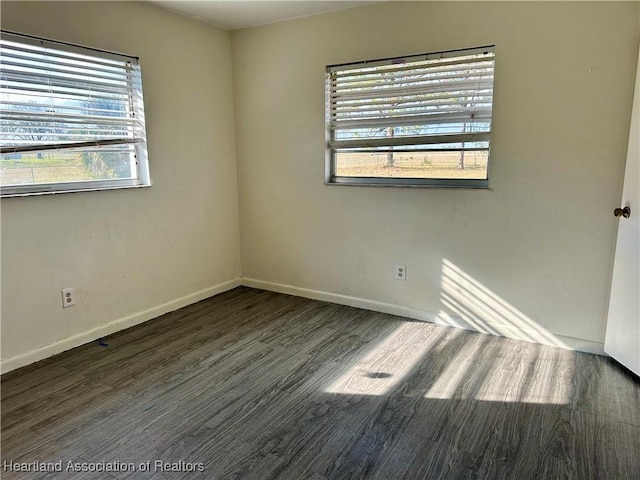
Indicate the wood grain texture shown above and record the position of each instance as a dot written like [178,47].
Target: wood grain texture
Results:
[259,385]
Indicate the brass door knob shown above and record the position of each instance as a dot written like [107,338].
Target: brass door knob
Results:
[622,212]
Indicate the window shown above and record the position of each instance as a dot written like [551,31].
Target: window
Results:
[71,118]
[422,120]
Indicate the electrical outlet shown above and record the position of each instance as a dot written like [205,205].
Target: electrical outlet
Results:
[401,272]
[68,297]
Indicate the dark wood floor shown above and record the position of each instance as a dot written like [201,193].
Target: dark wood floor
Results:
[257,385]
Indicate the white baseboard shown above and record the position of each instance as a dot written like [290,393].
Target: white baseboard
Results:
[532,335]
[46,351]
[108,328]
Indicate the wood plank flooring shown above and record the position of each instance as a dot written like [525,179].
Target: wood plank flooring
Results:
[256,385]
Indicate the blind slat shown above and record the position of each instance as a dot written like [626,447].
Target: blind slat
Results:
[418,98]
[118,76]
[390,109]
[117,70]
[458,87]
[62,107]
[416,120]
[64,117]
[415,140]
[58,146]
[414,75]
[424,101]
[56,81]
[428,58]
[478,65]
[409,149]
[39,46]
[54,94]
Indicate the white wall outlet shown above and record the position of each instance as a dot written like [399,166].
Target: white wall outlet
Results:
[68,297]
[401,272]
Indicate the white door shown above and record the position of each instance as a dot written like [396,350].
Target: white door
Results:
[622,340]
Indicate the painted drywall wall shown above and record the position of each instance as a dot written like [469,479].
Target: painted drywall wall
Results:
[529,258]
[130,254]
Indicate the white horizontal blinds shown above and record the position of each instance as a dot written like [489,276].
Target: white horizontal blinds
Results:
[52,97]
[428,102]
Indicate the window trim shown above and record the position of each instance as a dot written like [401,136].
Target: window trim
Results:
[142,178]
[330,178]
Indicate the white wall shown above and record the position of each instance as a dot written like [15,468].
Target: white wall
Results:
[130,254]
[532,255]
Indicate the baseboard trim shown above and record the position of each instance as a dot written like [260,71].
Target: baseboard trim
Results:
[46,351]
[525,334]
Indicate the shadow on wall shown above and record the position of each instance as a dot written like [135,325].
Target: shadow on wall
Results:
[469,304]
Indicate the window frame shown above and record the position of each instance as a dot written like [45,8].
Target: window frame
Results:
[330,177]
[136,110]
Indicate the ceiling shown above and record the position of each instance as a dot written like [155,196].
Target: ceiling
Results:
[241,13]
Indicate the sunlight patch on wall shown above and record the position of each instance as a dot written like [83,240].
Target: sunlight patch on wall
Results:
[387,364]
[482,310]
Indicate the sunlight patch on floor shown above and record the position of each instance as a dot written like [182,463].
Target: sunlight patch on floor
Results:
[387,364]
[547,380]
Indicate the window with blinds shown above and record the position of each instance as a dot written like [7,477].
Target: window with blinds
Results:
[71,118]
[421,120]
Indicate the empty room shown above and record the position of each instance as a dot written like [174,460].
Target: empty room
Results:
[319,240]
